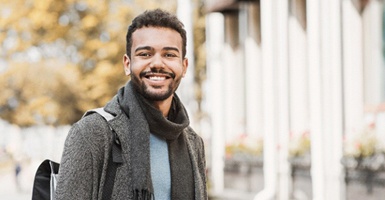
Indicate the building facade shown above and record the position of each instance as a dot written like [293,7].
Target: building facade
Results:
[280,68]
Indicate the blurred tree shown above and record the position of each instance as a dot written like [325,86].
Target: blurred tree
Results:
[40,94]
[199,54]
[60,58]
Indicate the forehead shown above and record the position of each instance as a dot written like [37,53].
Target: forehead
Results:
[156,37]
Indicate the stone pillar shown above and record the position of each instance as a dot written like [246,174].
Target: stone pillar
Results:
[233,71]
[253,73]
[333,100]
[353,66]
[282,97]
[216,99]
[269,63]
[374,70]
[184,13]
[299,115]
[325,98]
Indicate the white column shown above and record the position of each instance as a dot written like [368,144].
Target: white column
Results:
[353,66]
[233,72]
[270,168]
[326,108]
[282,81]
[299,118]
[373,58]
[184,13]
[333,96]
[315,104]
[216,98]
[374,70]
[253,75]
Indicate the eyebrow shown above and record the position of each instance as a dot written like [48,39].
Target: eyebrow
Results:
[143,48]
[150,48]
[171,49]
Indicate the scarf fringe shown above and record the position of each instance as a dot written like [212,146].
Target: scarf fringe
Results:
[143,194]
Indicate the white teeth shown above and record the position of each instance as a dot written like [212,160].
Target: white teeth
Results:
[157,78]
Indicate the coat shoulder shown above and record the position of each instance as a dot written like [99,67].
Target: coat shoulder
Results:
[191,134]
[194,138]
[92,130]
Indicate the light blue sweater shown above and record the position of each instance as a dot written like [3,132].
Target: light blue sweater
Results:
[160,168]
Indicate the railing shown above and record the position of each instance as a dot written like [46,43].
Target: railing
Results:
[369,171]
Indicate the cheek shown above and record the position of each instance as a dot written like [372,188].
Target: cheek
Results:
[138,66]
[177,68]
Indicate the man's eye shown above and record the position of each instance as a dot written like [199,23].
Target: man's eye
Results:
[170,55]
[145,54]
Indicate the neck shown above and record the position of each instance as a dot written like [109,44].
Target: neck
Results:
[163,106]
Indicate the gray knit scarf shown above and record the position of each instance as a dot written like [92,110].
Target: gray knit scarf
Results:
[147,119]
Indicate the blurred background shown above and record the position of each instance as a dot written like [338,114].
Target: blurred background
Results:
[289,95]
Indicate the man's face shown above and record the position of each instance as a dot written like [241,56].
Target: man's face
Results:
[156,65]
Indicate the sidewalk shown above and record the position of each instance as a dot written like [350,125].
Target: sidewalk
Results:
[9,189]
[230,194]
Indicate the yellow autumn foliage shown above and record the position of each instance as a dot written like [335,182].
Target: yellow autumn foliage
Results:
[89,21]
[60,58]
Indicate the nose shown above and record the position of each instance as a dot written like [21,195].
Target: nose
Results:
[157,61]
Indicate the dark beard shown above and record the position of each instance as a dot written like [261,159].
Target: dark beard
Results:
[143,90]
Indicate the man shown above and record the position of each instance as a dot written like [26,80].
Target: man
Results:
[163,158]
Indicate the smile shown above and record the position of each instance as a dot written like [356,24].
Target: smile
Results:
[157,78]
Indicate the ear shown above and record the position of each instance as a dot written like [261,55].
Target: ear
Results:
[185,66]
[126,64]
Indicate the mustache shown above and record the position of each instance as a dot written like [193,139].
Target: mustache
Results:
[157,72]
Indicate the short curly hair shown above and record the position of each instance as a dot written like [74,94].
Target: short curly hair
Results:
[156,18]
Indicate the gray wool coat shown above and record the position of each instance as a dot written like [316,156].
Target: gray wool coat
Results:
[86,150]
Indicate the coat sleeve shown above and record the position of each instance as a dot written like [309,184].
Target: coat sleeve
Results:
[202,166]
[198,155]
[76,178]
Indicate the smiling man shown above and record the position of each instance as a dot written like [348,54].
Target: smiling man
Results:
[161,156]
[156,63]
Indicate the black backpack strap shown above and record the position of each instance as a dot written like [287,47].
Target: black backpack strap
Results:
[115,155]
[110,175]
[42,185]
